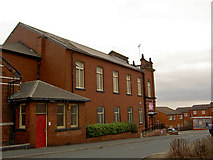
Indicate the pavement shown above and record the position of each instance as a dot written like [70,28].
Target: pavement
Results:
[29,153]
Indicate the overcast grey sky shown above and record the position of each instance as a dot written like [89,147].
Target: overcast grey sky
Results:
[176,34]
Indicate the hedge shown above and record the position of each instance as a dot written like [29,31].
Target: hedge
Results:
[97,130]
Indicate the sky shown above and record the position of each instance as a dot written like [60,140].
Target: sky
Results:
[176,34]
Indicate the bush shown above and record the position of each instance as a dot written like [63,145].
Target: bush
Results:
[97,130]
[202,149]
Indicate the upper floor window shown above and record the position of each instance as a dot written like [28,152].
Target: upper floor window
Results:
[100,115]
[149,88]
[61,116]
[185,114]
[181,116]
[115,81]
[99,71]
[74,115]
[128,84]
[79,74]
[174,117]
[139,86]
[22,110]
[170,118]
[130,114]
[140,115]
[194,112]
[203,112]
[117,114]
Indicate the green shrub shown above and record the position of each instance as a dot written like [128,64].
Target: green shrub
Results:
[97,130]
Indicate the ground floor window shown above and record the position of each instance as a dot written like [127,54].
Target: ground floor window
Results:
[100,115]
[61,116]
[74,115]
[22,111]
[117,114]
[140,115]
[130,114]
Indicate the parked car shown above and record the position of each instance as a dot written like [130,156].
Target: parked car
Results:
[172,131]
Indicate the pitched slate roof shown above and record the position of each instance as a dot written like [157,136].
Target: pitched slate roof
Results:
[20,48]
[41,91]
[68,44]
[181,110]
[201,107]
[165,110]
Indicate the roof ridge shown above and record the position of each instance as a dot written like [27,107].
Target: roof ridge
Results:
[34,88]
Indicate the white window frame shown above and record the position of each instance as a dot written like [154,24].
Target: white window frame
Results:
[139,86]
[117,114]
[100,119]
[203,112]
[21,115]
[79,69]
[194,112]
[130,114]
[149,88]
[64,115]
[128,84]
[115,82]
[181,116]
[185,114]
[76,114]
[170,118]
[140,111]
[99,73]
[174,117]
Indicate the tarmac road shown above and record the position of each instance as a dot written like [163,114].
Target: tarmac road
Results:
[129,148]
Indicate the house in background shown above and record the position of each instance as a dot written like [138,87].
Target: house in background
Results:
[36,64]
[201,115]
[184,118]
[169,117]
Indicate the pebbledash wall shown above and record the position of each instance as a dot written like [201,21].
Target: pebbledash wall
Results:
[57,66]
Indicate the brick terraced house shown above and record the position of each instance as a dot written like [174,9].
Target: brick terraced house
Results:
[195,117]
[53,87]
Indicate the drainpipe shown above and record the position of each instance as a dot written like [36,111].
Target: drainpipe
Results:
[72,68]
[144,98]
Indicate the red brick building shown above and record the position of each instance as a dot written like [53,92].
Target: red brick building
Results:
[117,91]
[195,117]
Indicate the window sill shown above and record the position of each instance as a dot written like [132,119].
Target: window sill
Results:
[129,94]
[20,130]
[75,128]
[100,91]
[116,93]
[81,89]
[141,123]
[61,129]
[140,96]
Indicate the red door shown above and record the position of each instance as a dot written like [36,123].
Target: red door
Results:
[40,131]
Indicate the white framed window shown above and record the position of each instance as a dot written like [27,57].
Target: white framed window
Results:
[203,112]
[117,114]
[140,110]
[181,116]
[185,114]
[171,126]
[178,125]
[174,117]
[130,114]
[99,72]
[115,81]
[74,115]
[79,74]
[139,86]
[128,84]
[61,112]
[212,109]
[149,88]
[194,112]
[22,111]
[100,115]
[170,118]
